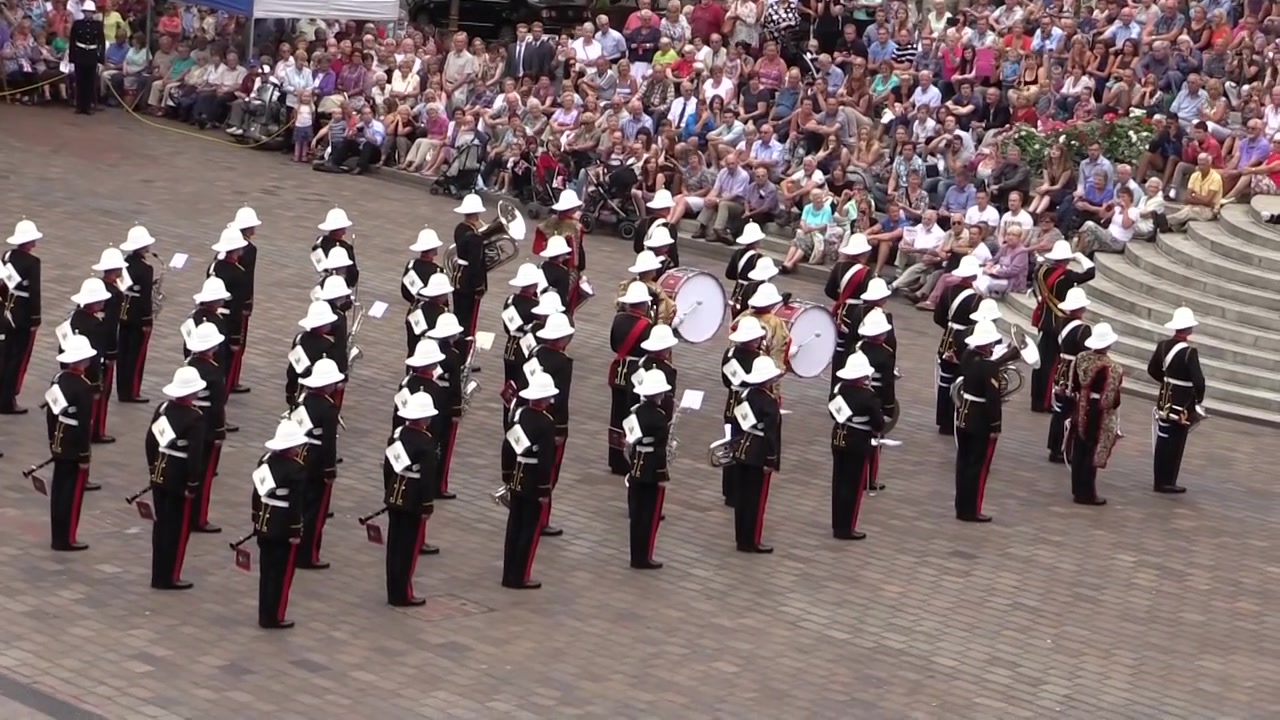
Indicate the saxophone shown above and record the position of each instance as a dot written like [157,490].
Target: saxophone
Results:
[673,443]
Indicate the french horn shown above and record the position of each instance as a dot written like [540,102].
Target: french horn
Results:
[501,239]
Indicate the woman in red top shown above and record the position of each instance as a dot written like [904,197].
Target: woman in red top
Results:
[170,23]
[1263,179]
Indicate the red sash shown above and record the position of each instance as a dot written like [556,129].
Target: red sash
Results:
[846,292]
[632,338]
[539,240]
[1047,292]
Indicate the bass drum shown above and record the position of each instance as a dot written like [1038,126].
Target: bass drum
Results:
[813,336]
[700,302]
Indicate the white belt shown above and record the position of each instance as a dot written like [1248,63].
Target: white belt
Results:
[201,403]
[1065,356]
[527,460]
[413,475]
[858,426]
[853,301]
[132,294]
[174,453]
[876,383]
[958,326]
[68,421]
[461,263]
[643,449]
[20,293]
[1179,383]
[82,46]
[972,398]
[757,433]
[274,502]
[1095,396]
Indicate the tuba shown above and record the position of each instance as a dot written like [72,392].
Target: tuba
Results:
[501,239]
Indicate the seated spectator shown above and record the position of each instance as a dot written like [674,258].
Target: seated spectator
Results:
[1007,271]
[1092,205]
[1151,216]
[960,241]
[696,181]
[1246,152]
[726,137]
[182,99]
[766,152]
[1117,234]
[1200,142]
[1262,179]
[251,101]
[1203,196]
[48,69]
[363,141]
[1042,237]
[912,198]
[1055,180]
[920,254]
[1014,217]
[795,189]
[215,97]
[400,129]
[1010,176]
[163,84]
[425,153]
[810,242]
[341,119]
[19,57]
[724,203]
[133,73]
[884,237]
[112,61]
[982,213]
[760,204]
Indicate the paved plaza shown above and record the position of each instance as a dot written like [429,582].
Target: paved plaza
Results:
[1151,607]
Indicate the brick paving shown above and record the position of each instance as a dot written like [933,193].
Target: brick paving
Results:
[1153,606]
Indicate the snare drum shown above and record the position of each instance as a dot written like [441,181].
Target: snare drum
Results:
[700,302]
[813,336]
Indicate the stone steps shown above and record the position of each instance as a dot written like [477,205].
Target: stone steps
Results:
[1136,286]
[1219,241]
[1178,279]
[1216,269]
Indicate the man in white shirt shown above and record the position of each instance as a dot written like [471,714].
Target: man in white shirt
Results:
[683,107]
[919,252]
[982,214]
[612,43]
[926,93]
[795,189]
[766,152]
[406,52]
[1115,236]
[1015,216]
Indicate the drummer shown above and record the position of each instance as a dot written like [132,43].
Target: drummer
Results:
[658,212]
[764,304]
[646,269]
[663,246]
[700,303]
[741,264]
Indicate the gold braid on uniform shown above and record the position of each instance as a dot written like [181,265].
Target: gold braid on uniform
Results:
[777,338]
[662,309]
[1088,365]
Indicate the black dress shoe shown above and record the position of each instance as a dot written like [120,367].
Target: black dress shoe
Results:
[179,585]
[428,550]
[1057,458]
[476,369]
[854,535]
[758,549]
[1171,489]
[974,518]
[650,565]
[208,528]
[138,400]
[550,531]
[240,390]
[728,502]
[944,431]
[91,486]
[411,602]
[104,440]
[72,547]
[447,496]
[322,565]
[232,427]
[283,625]
[1090,501]
[15,410]
[530,585]
[328,515]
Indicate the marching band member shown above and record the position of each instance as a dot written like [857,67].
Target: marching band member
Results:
[952,314]
[662,309]
[757,452]
[978,418]
[317,413]
[1096,423]
[744,348]
[418,270]
[211,400]
[556,268]
[448,334]
[648,476]
[550,358]
[764,271]
[777,339]
[856,410]
[110,265]
[631,327]
[1053,279]
[209,309]
[1073,333]
[533,438]
[309,346]
[334,291]
[334,229]
[657,348]
[875,297]
[471,272]
[69,416]
[247,222]
[875,331]
[662,245]
[136,315]
[433,301]
[565,224]
[410,479]
[84,321]
[279,494]
[175,457]
[235,278]
[337,262]
[846,283]
[518,320]
[741,263]
[1175,364]
[658,209]
[424,367]
[548,304]
[20,314]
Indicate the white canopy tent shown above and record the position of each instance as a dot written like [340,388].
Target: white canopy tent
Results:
[298,9]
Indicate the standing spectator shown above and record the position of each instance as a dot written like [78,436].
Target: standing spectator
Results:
[460,68]
[706,19]
[674,27]
[642,42]
[743,17]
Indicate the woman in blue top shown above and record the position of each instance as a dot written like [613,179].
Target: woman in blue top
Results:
[810,243]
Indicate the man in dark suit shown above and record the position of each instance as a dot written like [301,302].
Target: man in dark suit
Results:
[524,56]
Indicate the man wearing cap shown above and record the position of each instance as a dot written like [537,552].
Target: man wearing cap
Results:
[433,301]
[549,357]
[876,331]
[20,301]
[738,358]
[317,414]
[448,335]
[410,479]
[954,315]
[110,265]
[631,327]
[517,321]
[87,52]
[279,489]
[309,347]
[1071,342]
[211,400]
[136,314]
[334,234]
[69,416]
[557,271]
[978,418]
[84,321]
[777,338]
[209,308]
[856,410]
[658,211]
[645,271]
[1175,364]
[420,269]
[532,436]
[741,263]
[564,224]
[471,272]
[235,278]
[175,446]
[663,246]
[1053,278]
[247,222]
[649,430]
[1095,424]
[657,348]
[756,445]
[845,284]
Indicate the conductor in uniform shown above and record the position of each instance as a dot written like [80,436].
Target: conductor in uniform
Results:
[532,437]
[845,284]
[648,433]
[334,229]
[856,410]
[550,358]
[630,328]
[1175,364]
[953,314]
[279,483]
[68,416]
[20,301]
[87,52]
[317,414]
[1071,342]
[136,315]
[1053,279]
[420,269]
[1096,424]
[247,223]
[471,273]
[410,479]
[756,452]
[738,358]
[978,419]
[741,263]
[175,456]
[204,344]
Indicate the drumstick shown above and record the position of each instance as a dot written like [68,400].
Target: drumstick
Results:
[680,317]
[796,348]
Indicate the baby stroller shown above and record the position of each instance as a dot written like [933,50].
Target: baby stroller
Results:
[550,176]
[461,176]
[609,201]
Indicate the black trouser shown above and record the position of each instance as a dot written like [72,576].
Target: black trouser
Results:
[134,340]
[466,306]
[1042,376]
[1171,441]
[405,534]
[15,353]
[619,408]
[748,509]
[945,410]
[524,525]
[366,154]
[1057,427]
[199,506]
[275,576]
[86,75]
[645,502]
[102,400]
[169,536]
[974,451]
[315,508]
[1084,476]
[850,471]
[66,495]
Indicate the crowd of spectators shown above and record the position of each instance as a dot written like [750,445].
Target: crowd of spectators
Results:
[893,119]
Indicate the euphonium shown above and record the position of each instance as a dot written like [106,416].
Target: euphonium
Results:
[502,496]
[720,453]
[501,239]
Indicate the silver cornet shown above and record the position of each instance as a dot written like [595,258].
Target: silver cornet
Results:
[720,453]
